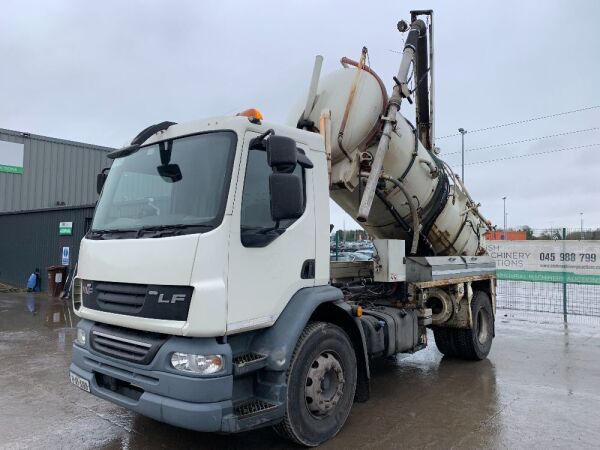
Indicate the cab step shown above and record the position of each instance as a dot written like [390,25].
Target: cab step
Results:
[252,408]
[248,362]
[252,413]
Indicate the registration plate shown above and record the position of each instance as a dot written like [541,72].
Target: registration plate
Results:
[80,382]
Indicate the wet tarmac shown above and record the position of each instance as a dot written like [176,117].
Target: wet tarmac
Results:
[540,388]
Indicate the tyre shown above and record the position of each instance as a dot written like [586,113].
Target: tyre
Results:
[472,344]
[444,340]
[321,383]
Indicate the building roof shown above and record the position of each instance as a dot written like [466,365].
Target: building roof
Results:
[38,137]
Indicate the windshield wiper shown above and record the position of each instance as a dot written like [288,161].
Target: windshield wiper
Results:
[161,230]
[95,234]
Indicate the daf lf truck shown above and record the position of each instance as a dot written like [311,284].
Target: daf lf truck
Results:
[205,288]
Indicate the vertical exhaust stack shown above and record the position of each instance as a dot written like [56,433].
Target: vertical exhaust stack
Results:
[421,79]
[424,79]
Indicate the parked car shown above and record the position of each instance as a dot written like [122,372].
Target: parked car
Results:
[349,256]
[367,251]
[359,256]
[341,257]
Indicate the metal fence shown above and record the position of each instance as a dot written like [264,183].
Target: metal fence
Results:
[558,298]
[545,234]
[554,300]
[589,234]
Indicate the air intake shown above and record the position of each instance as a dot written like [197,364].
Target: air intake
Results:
[129,345]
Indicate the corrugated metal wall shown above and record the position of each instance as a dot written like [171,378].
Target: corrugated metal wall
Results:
[30,240]
[54,170]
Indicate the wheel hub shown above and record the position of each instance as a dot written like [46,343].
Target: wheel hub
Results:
[483,326]
[324,384]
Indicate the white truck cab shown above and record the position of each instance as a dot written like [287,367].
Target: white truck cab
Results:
[221,212]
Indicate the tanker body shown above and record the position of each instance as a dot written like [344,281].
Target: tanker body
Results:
[448,219]
[205,289]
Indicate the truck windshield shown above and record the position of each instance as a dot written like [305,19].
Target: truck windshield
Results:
[176,185]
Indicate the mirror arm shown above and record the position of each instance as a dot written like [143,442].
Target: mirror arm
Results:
[165,153]
[259,141]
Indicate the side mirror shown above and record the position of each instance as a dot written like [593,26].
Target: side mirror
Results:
[287,196]
[282,154]
[285,187]
[170,172]
[101,179]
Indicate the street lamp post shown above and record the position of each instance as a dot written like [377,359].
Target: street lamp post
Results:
[462,131]
[581,227]
[504,216]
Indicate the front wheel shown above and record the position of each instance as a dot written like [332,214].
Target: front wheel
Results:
[321,383]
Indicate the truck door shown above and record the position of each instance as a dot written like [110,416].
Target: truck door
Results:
[266,266]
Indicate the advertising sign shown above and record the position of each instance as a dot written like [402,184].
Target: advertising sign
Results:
[11,157]
[65,228]
[554,261]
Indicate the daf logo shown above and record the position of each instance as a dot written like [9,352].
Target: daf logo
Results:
[174,298]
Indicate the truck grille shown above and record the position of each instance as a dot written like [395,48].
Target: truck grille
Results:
[121,298]
[120,347]
[129,345]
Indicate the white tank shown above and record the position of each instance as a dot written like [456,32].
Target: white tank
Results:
[457,226]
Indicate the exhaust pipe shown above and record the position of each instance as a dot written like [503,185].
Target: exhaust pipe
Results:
[312,92]
[421,82]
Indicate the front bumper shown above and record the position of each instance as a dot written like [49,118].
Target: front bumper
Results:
[193,402]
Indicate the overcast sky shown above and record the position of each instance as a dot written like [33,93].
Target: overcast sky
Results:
[99,72]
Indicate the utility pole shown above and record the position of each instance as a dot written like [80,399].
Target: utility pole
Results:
[462,131]
[581,228]
[504,215]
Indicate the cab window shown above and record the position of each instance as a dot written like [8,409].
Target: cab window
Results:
[257,227]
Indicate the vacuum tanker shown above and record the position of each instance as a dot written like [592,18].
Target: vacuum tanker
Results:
[205,288]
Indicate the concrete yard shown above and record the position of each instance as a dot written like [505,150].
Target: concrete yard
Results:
[540,388]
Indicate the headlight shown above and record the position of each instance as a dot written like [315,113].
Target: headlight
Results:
[81,338]
[200,364]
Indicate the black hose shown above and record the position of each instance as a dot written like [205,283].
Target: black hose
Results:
[413,212]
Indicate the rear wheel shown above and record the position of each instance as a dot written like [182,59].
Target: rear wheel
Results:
[444,340]
[472,344]
[321,383]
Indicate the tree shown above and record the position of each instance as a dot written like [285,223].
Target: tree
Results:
[528,231]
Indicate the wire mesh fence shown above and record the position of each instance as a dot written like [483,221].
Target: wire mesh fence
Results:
[579,299]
